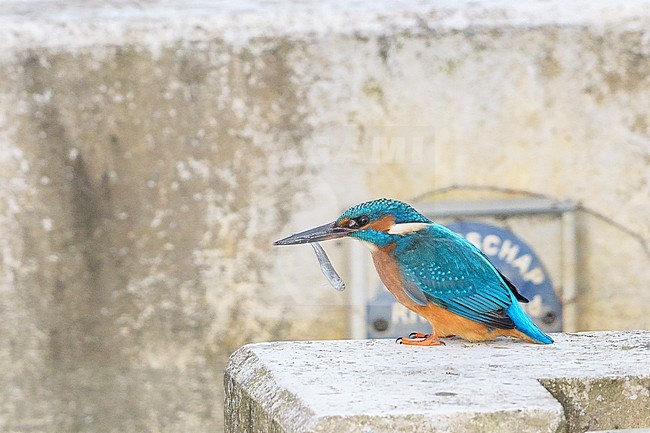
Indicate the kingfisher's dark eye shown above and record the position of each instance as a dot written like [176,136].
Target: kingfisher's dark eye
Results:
[358,222]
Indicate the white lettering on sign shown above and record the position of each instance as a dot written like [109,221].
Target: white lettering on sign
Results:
[492,245]
[534,307]
[474,238]
[508,251]
[536,276]
[522,263]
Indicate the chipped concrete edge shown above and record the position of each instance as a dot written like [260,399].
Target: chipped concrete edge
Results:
[598,403]
[255,402]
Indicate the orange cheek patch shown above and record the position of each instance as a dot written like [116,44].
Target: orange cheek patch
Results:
[383,224]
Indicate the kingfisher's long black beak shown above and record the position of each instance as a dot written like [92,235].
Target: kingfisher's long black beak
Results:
[322,233]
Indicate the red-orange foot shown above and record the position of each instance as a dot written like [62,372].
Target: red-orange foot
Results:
[425,340]
[420,335]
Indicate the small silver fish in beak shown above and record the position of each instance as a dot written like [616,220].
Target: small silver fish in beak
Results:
[315,235]
[326,267]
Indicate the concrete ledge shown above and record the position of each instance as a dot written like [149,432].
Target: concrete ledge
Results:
[586,381]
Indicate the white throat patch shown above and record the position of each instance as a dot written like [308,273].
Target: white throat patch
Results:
[406,228]
[372,247]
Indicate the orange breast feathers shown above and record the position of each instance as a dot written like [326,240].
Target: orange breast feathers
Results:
[444,322]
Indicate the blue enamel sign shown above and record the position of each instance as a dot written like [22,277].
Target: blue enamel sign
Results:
[510,254]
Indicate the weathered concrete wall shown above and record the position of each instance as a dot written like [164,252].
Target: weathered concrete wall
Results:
[585,381]
[151,152]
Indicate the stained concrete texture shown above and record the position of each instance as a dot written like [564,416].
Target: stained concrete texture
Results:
[150,152]
[585,381]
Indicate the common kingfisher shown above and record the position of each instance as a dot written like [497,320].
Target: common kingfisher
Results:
[434,272]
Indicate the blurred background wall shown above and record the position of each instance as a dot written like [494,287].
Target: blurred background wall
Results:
[150,152]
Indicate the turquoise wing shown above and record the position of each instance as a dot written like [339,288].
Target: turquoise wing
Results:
[452,273]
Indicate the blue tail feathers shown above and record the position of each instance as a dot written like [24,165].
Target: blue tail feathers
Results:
[524,324]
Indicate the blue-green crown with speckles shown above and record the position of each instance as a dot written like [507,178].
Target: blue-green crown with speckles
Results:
[376,209]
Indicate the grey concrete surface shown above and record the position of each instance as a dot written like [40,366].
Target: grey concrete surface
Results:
[585,381]
[151,151]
